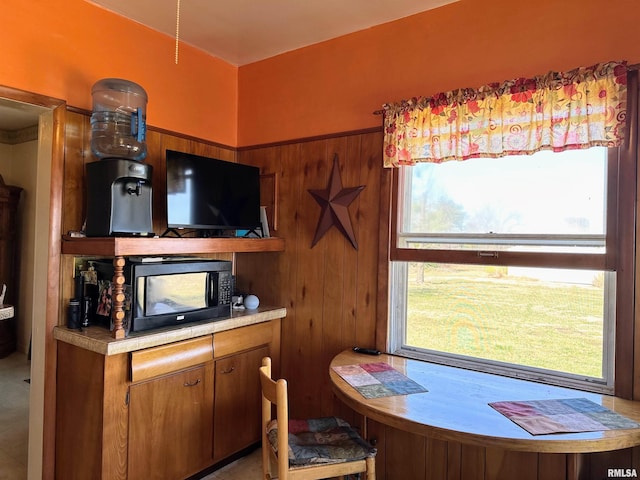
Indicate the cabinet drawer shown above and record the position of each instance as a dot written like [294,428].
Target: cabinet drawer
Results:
[243,338]
[170,358]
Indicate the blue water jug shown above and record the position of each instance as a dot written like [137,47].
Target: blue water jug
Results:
[118,120]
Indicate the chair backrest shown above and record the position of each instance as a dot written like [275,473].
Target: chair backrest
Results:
[275,392]
[356,457]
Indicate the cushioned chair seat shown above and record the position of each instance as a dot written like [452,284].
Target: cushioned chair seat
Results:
[310,449]
[321,441]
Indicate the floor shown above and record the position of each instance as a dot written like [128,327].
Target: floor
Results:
[245,468]
[14,416]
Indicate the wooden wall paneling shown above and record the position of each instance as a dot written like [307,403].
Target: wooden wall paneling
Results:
[195,147]
[77,154]
[552,466]
[454,461]
[79,393]
[506,465]
[627,375]
[296,334]
[100,444]
[287,162]
[600,463]
[339,264]
[261,273]
[579,466]
[405,455]
[275,276]
[473,463]
[335,407]
[156,159]
[436,459]
[360,266]
[330,307]
[306,370]
[269,199]
[369,222]
[352,177]
[376,435]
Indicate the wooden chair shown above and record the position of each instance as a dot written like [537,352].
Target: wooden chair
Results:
[307,449]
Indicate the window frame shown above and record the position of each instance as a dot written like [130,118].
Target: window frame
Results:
[619,256]
[594,261]
[398,332]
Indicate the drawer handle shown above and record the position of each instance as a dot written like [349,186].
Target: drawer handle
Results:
[192,384]
[229,370]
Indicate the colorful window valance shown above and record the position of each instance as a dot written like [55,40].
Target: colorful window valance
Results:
[581,108]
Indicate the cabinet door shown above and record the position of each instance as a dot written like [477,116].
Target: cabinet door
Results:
[170,425]
[237,416]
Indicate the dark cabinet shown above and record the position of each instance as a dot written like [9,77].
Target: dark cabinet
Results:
[9,197]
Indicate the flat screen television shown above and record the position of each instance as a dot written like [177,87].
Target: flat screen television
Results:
[211,196]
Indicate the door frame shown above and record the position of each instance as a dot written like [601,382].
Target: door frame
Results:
[42,402]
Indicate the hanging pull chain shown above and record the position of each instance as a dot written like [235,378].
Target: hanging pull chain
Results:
[177,28]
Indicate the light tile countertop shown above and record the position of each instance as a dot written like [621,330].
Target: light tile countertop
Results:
[99,339]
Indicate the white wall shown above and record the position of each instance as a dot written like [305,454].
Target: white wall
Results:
[6,165]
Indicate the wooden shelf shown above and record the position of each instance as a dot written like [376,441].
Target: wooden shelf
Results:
[125,246]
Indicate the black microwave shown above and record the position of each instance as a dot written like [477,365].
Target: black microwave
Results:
[165,292]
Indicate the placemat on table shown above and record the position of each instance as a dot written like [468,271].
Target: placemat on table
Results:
[566,415]
[375,380]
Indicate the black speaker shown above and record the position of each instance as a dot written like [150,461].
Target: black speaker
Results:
[118,198]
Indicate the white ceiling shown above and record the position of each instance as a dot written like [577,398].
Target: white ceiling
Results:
[245,31]
[17,115]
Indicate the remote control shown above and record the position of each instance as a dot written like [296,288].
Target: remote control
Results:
[368,351]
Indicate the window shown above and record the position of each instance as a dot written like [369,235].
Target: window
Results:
[508,265]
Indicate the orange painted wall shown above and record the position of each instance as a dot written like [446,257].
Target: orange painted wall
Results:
[60,48]
[336,85]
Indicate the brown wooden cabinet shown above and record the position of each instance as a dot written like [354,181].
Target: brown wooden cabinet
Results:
[170,420]
[162,412]
[237,402]
[9,197]
[126,409]
[237,407]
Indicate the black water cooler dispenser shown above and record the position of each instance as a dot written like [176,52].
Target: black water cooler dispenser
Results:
[119,187]
[119,194]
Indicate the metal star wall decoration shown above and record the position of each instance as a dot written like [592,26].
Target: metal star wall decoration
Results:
[335,201]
